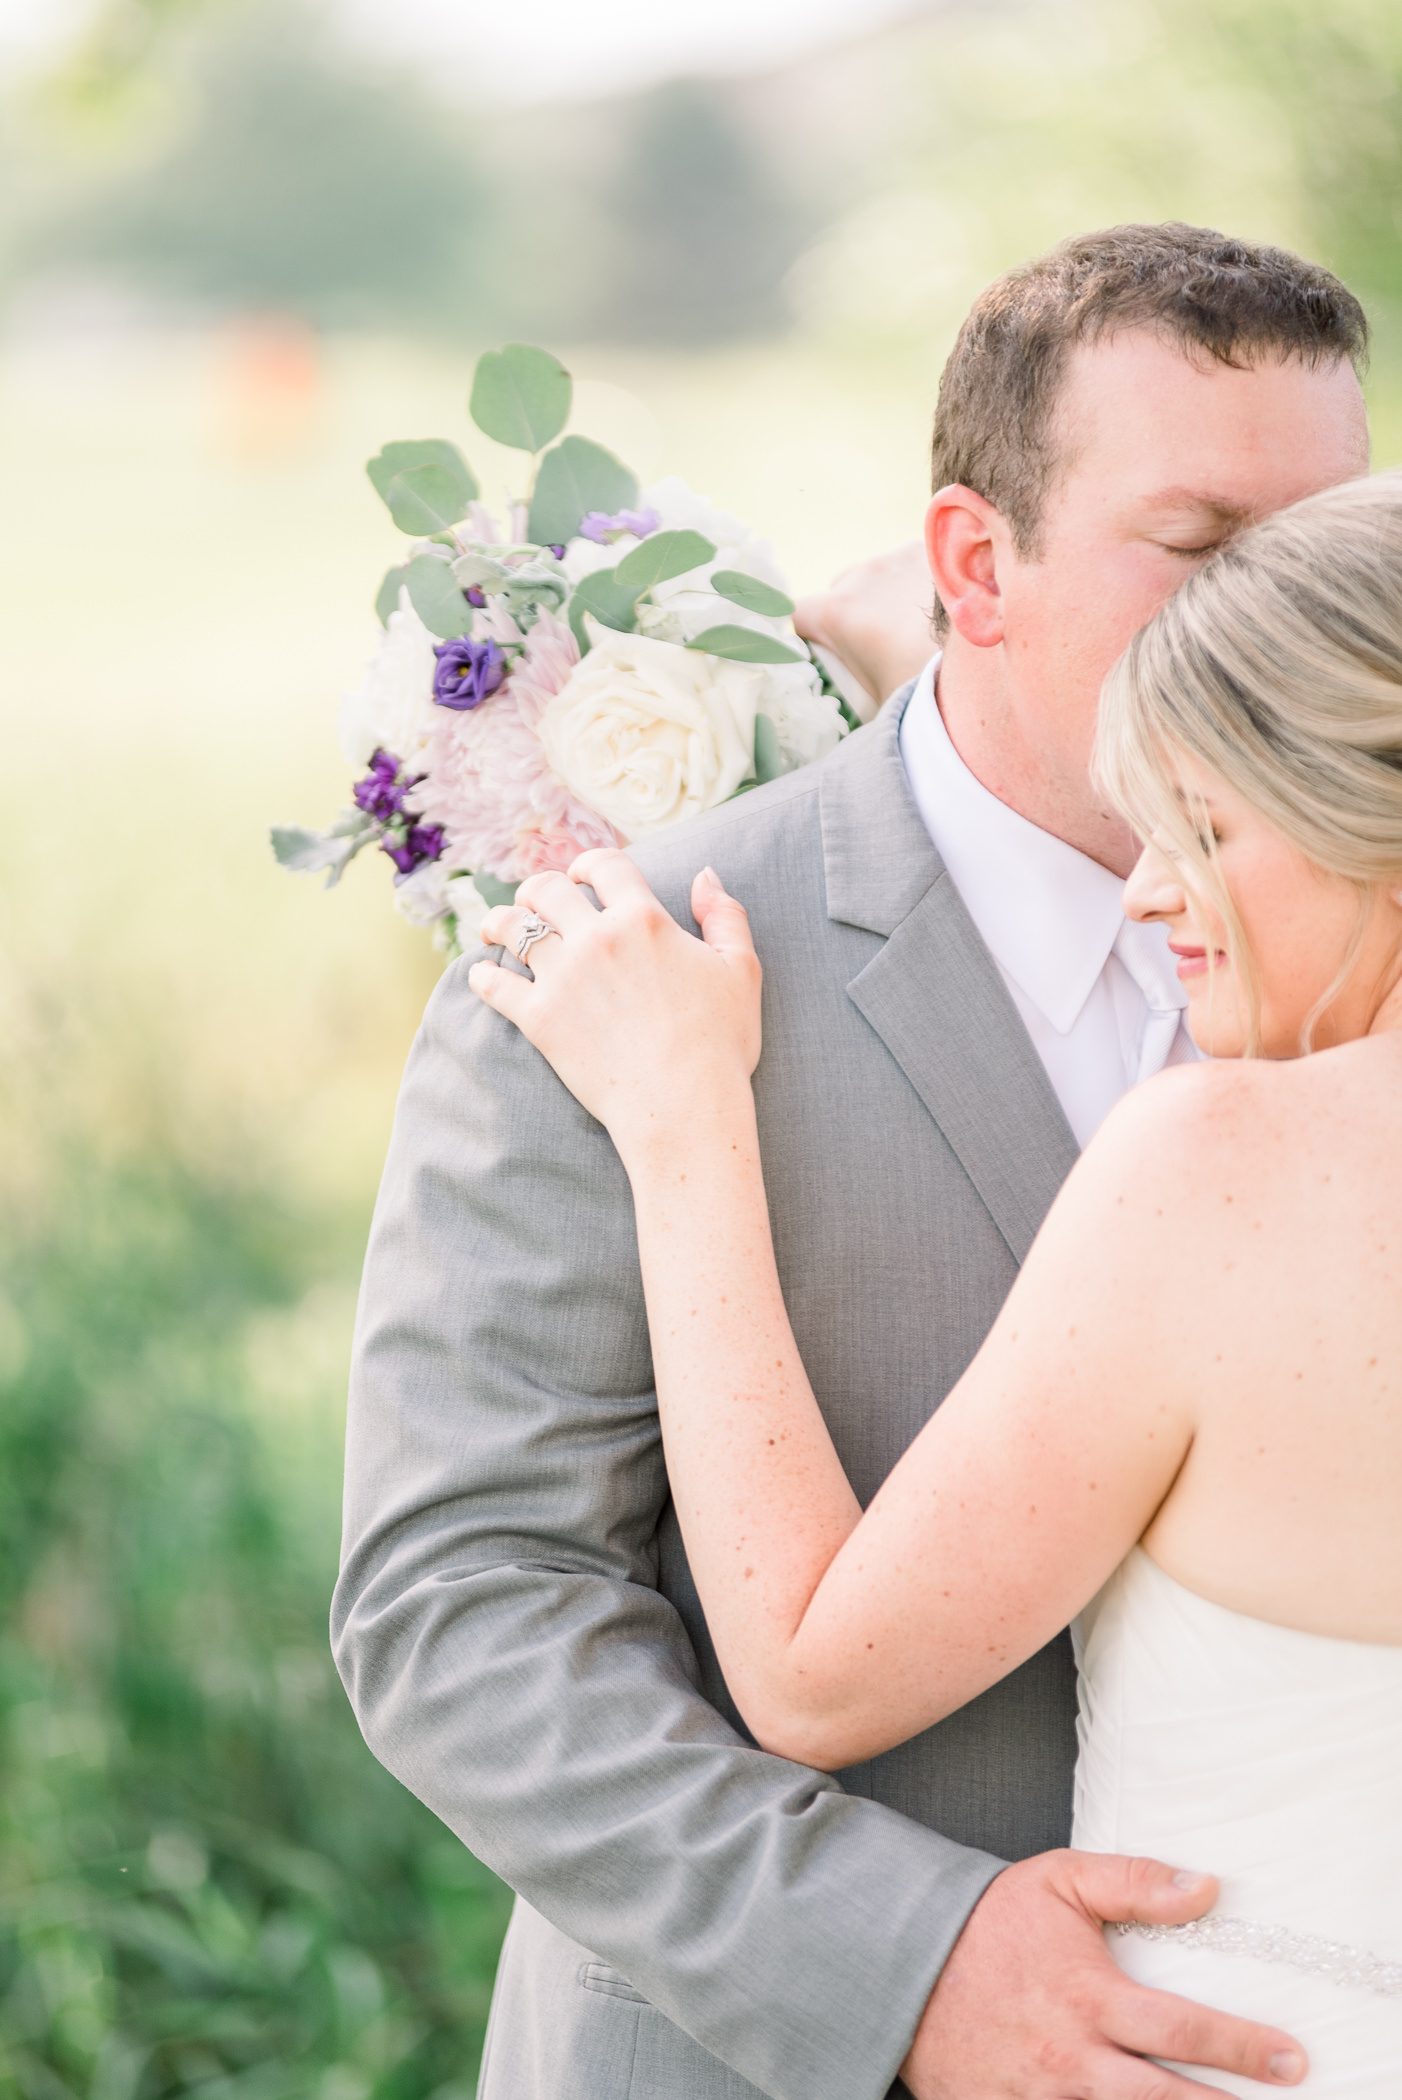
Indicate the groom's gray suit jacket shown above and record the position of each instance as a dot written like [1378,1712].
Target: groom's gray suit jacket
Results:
[515,1621]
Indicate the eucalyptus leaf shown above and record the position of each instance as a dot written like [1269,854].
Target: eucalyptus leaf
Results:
[387,596]
[306,852]
[425,501]
[741,645]
[611,603]
[577,476]
[663,555]
[422,508]
[755,596]
[437,598]
[520,396]
[769,759]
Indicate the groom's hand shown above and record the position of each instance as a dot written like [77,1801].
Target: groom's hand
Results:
[1031,2006]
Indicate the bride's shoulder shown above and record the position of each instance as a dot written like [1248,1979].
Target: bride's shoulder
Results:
[1209,1103]
[1193,1131]
[1243,1125]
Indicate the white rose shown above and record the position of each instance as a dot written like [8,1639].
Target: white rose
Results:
[461,924]
[646,733]
[808,720]
[423,896]
[393,710]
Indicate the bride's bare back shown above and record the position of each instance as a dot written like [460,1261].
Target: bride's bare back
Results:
[1278,1320]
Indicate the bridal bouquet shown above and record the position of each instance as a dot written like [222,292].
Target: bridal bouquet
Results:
[598,663]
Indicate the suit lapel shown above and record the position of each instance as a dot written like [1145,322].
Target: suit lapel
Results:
[933,992]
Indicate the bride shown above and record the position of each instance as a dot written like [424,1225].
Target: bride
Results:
[1184,1431]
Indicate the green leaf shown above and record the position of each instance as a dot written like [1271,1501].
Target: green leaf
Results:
[492,890]
[520,396]
[576,477]
[305,852]
[422,506]
[387,596]
[611,602]
[426,501]
[662,555]
[755,596]
[741,645]
[436,597]
[769,760]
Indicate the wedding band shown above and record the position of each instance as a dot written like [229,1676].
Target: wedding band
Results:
[535,929]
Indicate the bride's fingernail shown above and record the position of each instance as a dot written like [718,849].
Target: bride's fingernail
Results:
[1286,2066]
[710,878]
[1184,1880]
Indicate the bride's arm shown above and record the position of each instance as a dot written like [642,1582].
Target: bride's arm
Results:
[840,1633]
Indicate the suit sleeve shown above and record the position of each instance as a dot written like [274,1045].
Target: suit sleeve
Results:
[498,1626]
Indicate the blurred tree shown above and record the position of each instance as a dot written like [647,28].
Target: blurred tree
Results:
[701,230]
[1334,74]
[299,184]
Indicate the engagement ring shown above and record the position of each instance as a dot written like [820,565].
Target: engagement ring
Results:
[535,929]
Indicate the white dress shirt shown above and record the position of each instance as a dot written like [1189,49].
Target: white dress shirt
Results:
[1099,994]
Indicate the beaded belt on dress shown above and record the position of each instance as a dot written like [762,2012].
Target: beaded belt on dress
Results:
[1331,1959]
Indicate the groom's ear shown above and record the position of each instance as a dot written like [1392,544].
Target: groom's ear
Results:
[964,537]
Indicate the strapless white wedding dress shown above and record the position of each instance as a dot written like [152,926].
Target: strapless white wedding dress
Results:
[1272,1759]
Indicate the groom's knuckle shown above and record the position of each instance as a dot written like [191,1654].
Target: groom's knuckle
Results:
[1059,2057]
[1083,1996]
[1185,2031]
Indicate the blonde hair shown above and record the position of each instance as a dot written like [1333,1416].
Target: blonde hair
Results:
[1278,666]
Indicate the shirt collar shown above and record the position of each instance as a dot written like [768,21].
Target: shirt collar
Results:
[1048,914]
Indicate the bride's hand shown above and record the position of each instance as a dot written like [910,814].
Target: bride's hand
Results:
[645,1024]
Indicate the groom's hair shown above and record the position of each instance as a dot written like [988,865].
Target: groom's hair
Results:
[1198,290]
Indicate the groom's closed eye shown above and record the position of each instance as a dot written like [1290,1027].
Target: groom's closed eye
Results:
[1192,523]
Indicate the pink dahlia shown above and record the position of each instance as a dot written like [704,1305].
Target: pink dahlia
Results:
[488,785]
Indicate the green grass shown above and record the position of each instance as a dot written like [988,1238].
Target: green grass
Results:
[206,1882]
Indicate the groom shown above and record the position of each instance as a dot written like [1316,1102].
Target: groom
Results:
[952,1004]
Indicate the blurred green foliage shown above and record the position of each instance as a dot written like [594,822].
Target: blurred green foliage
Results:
[1333,71]
[206,1881]
[294,184]
[252,163]
[263,164]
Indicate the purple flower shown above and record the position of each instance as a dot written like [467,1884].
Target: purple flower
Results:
[558,552]
[467,672]
[475,597]
[408,846]
[381,793]
[597,525]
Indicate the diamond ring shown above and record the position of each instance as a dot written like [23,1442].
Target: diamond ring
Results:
[535,929]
